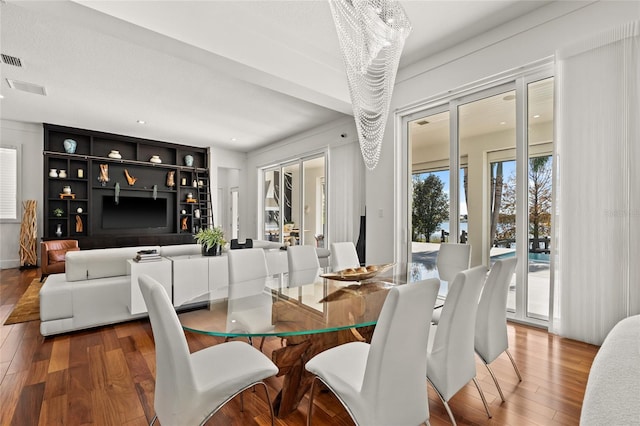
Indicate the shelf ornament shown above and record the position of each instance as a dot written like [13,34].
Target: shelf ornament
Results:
[104,174]
[116,195]
[130,179]
[371,35]
[170,178]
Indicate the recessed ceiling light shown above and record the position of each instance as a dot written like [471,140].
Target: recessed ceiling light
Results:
[502,123]
[536,116]
[234,139]
[1,96]
[141,122]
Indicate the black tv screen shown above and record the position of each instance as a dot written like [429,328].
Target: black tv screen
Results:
[133,213]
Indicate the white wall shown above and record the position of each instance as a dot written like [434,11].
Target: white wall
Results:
[520,42]
[219,161]
[29,138]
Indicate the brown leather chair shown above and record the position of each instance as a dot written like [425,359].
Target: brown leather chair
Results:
[53,254]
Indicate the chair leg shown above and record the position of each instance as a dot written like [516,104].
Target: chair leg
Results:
[153,420]
[446,405]
[515,367]
[240,392]
[495,380]
[309,411]
[266,390]
[484,400]
[43,276]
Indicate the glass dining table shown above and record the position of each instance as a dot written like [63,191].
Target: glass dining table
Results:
[312,310]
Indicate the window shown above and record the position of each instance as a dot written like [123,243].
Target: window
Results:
[500,199]
[8,183]
[293,202]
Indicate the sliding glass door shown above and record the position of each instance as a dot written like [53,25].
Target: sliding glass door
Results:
[499,142]
[293,202]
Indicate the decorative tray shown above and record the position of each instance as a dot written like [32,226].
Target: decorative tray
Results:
[358,274]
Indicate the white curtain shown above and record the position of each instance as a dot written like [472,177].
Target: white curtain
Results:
[597,276]
[346,192]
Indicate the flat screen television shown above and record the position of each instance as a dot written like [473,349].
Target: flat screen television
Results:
[134,213]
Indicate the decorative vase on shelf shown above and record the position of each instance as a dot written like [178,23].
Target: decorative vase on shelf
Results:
[66,190]
[188,160]
[155,159]
[70,146]
[53,173]
[62,174]
[115,154]
[59,230]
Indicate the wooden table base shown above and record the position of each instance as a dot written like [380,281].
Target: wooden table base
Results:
[292,358]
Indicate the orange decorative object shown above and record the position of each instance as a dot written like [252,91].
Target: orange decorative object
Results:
[130,179]
[78,224]
[170,178]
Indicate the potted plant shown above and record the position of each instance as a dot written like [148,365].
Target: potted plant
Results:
[58,212]
[211,239]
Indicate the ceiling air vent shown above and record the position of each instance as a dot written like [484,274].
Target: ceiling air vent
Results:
[422,122]
[11,60]
[27,87]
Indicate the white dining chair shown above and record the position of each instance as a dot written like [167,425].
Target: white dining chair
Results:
[191,387]
[452,258]
[302,258]
[451,356]
[247,264]
[343,256]
[382,383]
[491,338]
[249,305]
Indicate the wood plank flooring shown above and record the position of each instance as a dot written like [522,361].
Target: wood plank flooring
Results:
[105,376]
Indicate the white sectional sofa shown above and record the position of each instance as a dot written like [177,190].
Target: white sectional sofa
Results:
[95,288]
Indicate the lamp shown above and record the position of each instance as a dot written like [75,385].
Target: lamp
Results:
[371,34]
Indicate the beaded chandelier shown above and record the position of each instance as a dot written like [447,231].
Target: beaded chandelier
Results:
[372,34]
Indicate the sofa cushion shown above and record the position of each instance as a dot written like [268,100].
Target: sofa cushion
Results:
[59,255]
[180,250]
[100,263]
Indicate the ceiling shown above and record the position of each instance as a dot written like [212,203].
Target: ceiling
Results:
[233,74]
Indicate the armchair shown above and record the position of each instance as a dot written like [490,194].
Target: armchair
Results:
[53,254]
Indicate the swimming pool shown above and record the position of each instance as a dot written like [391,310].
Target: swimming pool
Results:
[533,257]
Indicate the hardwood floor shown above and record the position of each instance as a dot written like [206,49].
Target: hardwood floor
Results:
[105,376]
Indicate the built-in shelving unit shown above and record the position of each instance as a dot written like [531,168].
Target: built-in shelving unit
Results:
[141,203]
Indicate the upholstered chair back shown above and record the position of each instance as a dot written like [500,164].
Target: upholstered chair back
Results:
[343,256]
[452,258]
[451,357]
[396,369]
[246,265]
[491,321]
